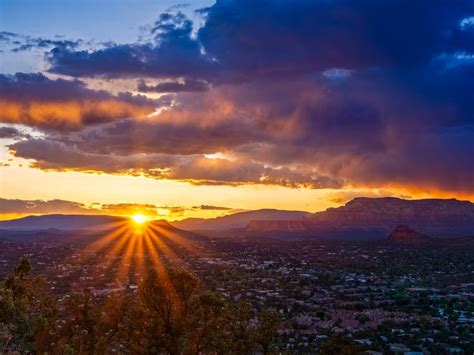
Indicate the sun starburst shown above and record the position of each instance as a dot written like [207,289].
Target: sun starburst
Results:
[139,218]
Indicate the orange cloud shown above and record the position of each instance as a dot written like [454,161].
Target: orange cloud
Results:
[69,114]
[37,101]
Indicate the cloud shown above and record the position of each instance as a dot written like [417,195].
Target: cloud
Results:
[307,133]
[309,94]
[129,209]
[28,207]
[203,171]
[11,133]
[342,197]
[173,53]
[52,155]
[214,208]
[174,86]
[22,43]
[11,208]
[242,40]
[35,100]
[196,169]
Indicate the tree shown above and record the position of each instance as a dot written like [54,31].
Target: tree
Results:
[340,345]
[185,284]
[362,318]
[268,323]
[241,340]
[25,308]
[163,326]
[207,324]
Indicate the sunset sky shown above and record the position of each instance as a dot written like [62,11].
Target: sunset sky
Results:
[198,110]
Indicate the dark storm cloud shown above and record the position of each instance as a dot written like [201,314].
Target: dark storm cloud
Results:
[335,132]
[262,36]
[38,87]
[167,136]
[246,38]
[300,93]
[174,53]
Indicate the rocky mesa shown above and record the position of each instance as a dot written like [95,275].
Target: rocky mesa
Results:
[374,218]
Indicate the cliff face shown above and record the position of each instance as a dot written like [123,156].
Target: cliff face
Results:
[374,218]
[435,217]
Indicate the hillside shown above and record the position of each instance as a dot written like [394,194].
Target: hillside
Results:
[78,228]
[61,222]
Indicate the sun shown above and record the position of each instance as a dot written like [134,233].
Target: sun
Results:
[139,218]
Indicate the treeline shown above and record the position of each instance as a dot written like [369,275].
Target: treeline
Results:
[170,313]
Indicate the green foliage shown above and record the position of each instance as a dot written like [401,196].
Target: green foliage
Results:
[25,309]
[340,345]
[268,323]
[320,314]
[361,317]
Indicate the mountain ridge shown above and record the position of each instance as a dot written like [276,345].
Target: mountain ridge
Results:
[240,219]
[67,222]
[360,218]
[374,218]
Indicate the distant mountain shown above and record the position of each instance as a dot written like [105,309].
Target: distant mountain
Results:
[374,218]
[434,217]
[361,218]
[300,225]
[82,229]
[62,222]
[240,219]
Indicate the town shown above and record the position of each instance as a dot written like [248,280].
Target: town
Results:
[385,298]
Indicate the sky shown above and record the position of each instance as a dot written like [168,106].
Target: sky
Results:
[198,110]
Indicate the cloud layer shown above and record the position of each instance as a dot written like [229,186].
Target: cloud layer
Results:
[16,207]
[311,94]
